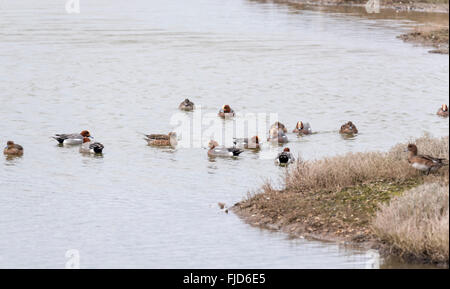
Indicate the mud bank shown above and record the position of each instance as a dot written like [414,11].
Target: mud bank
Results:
[343,210]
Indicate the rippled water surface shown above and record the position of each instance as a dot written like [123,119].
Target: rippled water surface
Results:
[122,67]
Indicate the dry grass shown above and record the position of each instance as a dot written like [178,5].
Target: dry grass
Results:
[356,168]
[416,224]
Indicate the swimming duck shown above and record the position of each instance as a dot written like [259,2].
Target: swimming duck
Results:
[348,128]
[285,157]
[278,136]
[186,105]
[72,139]
[252,143]
[226,112]
[423,162]
[162,140]
[302,128]
[220,151]
[13,149]
[277,126]
[443,111]
[91,148]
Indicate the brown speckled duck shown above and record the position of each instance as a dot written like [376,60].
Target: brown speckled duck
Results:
[186,105]
[13,149]
[348,128]
[162,140]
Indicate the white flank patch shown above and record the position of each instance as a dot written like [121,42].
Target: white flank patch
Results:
[421,167]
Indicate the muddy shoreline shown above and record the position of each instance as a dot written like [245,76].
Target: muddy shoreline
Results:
[432,35]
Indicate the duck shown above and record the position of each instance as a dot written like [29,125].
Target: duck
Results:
[186,105]
[277,126]
[285,157]
[220,151]
[302,128]
[424,163]
[162,140]
[246,143]
[72,139]
[226,112]
[443,111]
[278,136]
[13,149]
[91,148]
[348,128]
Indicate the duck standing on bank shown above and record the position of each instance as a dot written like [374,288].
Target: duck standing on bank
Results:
[220,151]
[89,147]
[186,105]
[285,157]
[424,163]
[72,139]
[302,128]
[443,111]
[162,140]
[226,112]
[348,128]
[13,149]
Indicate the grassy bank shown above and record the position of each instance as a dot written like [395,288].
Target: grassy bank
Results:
[339,198]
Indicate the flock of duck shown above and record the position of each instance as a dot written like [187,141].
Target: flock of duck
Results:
[277,134]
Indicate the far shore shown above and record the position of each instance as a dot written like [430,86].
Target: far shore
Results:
[428,35]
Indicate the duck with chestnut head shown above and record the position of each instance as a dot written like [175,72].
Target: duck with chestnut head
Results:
[226,112]
[162,140]
[89,147]
[13,149]
[73,138]
[443,111]
[277,126]
[186,105]
[348,128]
[424,163]
[285,157]
[302,128]
[215,150]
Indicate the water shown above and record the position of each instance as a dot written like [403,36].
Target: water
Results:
[122,67]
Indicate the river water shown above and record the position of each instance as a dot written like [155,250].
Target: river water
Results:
[119,68]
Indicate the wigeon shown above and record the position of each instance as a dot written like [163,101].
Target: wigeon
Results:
[285,157]
[220,151]
[13,149]
[443,111]
[162,140]
[186,105]
[348,128]
[72,139]
[302,128]
[90,147]
[252,143]
[423,162]
[278,136]
[277,126]
[226,112]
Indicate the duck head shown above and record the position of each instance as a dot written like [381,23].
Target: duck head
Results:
[255,139]
[85,133]
[9,144]
[226,108]
[187,101]
[300,125]
[444,107]
[172,134]
[412,148]
[212,144]
[286,150]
